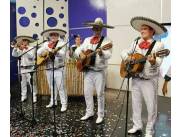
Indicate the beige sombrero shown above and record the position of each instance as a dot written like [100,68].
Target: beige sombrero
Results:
[137,22]
[98,22]
[47,32]
[23,37]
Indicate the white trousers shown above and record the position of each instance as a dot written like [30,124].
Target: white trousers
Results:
[25,80]
[146,89]
[59,85]
[94,80]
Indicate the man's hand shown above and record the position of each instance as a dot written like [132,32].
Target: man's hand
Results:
[82,56]
[99,51]
[164,89]
[151,59]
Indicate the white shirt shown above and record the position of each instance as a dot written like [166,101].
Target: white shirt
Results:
[28,59]
[149,70]
[59,57]
[101,61]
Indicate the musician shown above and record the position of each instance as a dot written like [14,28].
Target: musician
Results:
[55,41]
[27,64]
[145,84]
[94,76]
[75,46]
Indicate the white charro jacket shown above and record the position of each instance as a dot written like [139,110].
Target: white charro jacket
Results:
[149,70]
[27,60]
[101,62]
[59,57]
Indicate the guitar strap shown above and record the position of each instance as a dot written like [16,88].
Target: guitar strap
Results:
[55,44]
[100,42]
[151,47]
[93,58]
[149,50]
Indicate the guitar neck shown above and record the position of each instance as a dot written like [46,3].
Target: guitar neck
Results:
[140,60]
[58,48]
[105,47]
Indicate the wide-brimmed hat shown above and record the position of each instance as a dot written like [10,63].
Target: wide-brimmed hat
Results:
[137,22]
[99,23]
[47,32]
[23,37]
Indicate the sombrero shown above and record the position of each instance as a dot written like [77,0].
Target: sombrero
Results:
[98,22]
[47,32]
[137,22]
[23,37]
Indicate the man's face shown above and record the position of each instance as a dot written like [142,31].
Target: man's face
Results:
[97,30]
[54,37]
[24,43]
[146,32]
[78,40]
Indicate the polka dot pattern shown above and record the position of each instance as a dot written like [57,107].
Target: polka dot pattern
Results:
[61,15]
[49,11]
[24,21]
[35,36]
[30,17]
[21,10]
[52,22]
[34,15]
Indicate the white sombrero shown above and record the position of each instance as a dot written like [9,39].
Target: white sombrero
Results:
[20,38]
[137,22]
[47,32]
[98,22]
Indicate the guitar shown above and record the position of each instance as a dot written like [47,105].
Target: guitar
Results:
[42,59]
[81,64]
[137,65]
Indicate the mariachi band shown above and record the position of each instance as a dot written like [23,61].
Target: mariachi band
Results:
[140,61]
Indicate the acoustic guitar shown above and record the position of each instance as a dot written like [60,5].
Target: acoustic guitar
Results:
[81,64]
[137,65]
[42,59]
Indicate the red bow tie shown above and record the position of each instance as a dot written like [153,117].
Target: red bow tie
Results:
[95,40]
[144,45]
[51,44]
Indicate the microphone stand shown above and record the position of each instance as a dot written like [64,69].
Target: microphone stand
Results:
[22,113]
[127,98]
[37,45]
[33,121]
[128,69]
[54,133]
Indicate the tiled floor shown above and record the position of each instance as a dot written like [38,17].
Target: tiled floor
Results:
[69,124]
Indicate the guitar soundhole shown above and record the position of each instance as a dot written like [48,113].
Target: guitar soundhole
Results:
[129,67]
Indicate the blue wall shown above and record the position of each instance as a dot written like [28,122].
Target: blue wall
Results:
[13,62]
[79,12]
